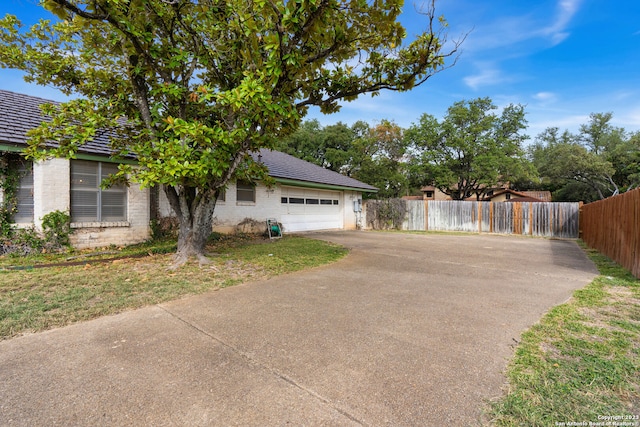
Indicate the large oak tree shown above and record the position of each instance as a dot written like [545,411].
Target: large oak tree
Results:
[192,87]
[471,150]
[600,161]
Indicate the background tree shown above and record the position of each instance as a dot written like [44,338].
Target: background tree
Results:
[329,147]
[471,151]
[202,84]
[380,160]
[306,143]
[375,155]
[599,161]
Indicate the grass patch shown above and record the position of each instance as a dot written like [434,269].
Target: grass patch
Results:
[582,360]
[33,300]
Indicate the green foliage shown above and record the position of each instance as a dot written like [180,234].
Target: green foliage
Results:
[471,150]
[55,235]
[9,183]
[386,214]
[375,155]
[163,228]
[36,299]
[581,360]
[22,242]
[202,84]
[56,227]
[600,161]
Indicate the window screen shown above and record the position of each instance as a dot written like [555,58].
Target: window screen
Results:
[245,192]
[90,203]
[24,195]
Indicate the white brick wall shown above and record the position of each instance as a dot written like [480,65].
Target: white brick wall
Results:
[135,230]
[51,185]
[229,213]
[52,192]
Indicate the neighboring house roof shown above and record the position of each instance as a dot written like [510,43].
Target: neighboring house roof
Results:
[520,196]
[285,167]
[524,199]
[544,196]
[20,113]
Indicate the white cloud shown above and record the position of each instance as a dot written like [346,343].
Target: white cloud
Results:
[630,120]
[545,98]
[488,75]
[557,30]
[513,30]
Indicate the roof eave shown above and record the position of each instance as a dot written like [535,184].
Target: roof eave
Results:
[322,186]
[79,156]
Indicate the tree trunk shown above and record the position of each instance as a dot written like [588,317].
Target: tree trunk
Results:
[194,211]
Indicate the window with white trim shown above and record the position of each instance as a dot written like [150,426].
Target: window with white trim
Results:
[89,202]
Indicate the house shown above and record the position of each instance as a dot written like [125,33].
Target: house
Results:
[305,197]
[430,192]
[492,195]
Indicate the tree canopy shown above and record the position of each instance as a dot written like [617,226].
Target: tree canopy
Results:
[372,154]
[599,161]
[471,150]
[192,87]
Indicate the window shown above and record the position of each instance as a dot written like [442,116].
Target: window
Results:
[24,193]
[508,196]
[429,194]
[284,200]
[89,202]
[326,201]
[296,200]
[222,196]
[313,201]
[245,192]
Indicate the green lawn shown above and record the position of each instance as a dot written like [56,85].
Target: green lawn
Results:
[581,362]
[35,299]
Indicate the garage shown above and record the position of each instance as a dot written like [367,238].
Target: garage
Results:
[305,209]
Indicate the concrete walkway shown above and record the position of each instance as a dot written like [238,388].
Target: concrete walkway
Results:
[406,330]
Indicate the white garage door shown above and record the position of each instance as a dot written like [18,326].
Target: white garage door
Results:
[307,209]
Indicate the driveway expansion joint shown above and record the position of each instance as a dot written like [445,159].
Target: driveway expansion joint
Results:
[273,371]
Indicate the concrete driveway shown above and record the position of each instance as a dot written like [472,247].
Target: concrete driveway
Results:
[406,330]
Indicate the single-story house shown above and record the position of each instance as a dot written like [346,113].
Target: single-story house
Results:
[430,192]
[306,197]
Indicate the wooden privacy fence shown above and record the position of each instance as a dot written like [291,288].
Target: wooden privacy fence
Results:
[535,219]
[612,226]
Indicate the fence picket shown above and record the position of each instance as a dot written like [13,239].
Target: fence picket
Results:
[612,226]
[536,219]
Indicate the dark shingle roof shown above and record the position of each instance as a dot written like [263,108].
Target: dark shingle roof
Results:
[19,113]
[285,166]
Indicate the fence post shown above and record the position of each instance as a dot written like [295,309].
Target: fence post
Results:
[426,215]
[490,217]
[580,204]
[530,218]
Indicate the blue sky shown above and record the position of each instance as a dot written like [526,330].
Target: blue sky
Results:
[561,59]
